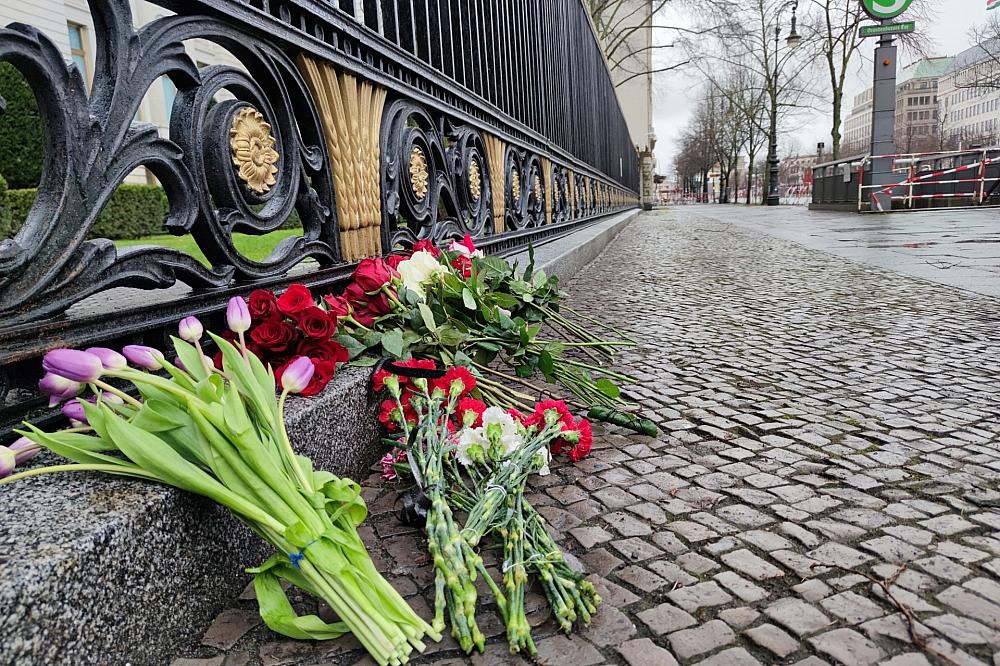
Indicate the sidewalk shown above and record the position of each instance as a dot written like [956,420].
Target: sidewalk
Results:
[824,422]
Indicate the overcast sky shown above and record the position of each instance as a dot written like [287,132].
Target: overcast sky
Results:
[675,93]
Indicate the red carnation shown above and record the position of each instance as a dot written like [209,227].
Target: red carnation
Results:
[263,304]
[427,246]
[323,350]
[273,335]
[582,448]
[467,405]
[456,372]
[295,299]
[373,274]
[316,323]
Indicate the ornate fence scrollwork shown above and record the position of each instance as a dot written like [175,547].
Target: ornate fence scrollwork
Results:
[93,144]
[561,205]
[525,190]
[435,178]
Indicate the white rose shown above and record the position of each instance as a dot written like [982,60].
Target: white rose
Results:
[418,270]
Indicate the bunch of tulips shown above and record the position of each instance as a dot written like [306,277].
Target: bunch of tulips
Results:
[220,433]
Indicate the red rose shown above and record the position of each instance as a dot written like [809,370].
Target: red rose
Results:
[338,306]
[379,303]
[463,265]
[323,350]
[354,294]
[394,260]
[322,374]
[372,274]
[365,317]
[295,299]
[273,335]
[316,323]
[427,246]
[263,304]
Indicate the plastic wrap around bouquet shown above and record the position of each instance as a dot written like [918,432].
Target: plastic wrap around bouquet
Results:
[220,433]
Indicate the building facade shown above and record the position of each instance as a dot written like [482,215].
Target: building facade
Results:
[69,25]
[918,118]
[970,110]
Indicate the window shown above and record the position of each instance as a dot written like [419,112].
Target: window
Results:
[78,47]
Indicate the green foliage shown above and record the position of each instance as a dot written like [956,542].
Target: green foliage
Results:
[4,209]
[133,211]
[21,139]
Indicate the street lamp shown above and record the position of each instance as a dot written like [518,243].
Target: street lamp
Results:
[793,39]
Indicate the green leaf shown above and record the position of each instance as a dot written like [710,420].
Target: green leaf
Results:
[529,269]
[353,346]
[428,317]
[608,388]
[468,299]
[277,611]
[190,357]
[392,343]
[545,364]
[450,336]
[364,362]
[524,371]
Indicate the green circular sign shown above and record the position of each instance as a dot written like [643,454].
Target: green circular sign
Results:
[885,9]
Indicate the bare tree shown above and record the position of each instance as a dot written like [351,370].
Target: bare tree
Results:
[984,73]
[625,29]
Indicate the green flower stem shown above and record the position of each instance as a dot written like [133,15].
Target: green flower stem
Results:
[123,469]
[304,481]
[129,400]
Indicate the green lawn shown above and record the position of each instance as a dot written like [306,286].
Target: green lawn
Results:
[253,247]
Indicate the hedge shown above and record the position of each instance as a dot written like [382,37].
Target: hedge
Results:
[134,211]
[21,141]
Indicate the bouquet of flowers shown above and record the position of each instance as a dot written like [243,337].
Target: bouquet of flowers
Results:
[460,308]
[219,432]
[283,328]
[462,453]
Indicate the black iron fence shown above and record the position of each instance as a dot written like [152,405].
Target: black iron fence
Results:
[376,122]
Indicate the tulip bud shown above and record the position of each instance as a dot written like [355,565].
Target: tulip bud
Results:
[59,388]
[297,374]
[73,364]
[143,356]
[7,462]
[110,359]
[190,329]
[24,450]
[73,410]
[237,315]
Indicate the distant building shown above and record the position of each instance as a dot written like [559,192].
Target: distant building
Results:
[970,111]
[917,115]
[70,26]
[857,132]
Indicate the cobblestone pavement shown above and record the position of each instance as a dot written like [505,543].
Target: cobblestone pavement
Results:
[826,425]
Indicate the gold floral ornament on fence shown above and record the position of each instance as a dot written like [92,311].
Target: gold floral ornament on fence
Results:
[252,145]
[515,185]
[419,178]
[475,180]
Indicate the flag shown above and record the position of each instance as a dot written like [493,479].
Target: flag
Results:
[992,4]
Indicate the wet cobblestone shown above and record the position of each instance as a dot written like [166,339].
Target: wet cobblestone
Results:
[826,425]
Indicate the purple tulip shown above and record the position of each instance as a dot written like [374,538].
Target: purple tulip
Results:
[24,450]
[59,388]
[7,462]
[73,364]
[237,315]
[73,410]
[143,356]
[110,359]
[297,374]
[190,329]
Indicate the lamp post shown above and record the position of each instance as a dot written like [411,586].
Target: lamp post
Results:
[773,197]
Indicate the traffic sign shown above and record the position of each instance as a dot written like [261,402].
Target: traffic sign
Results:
[887,29]
[885,9]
